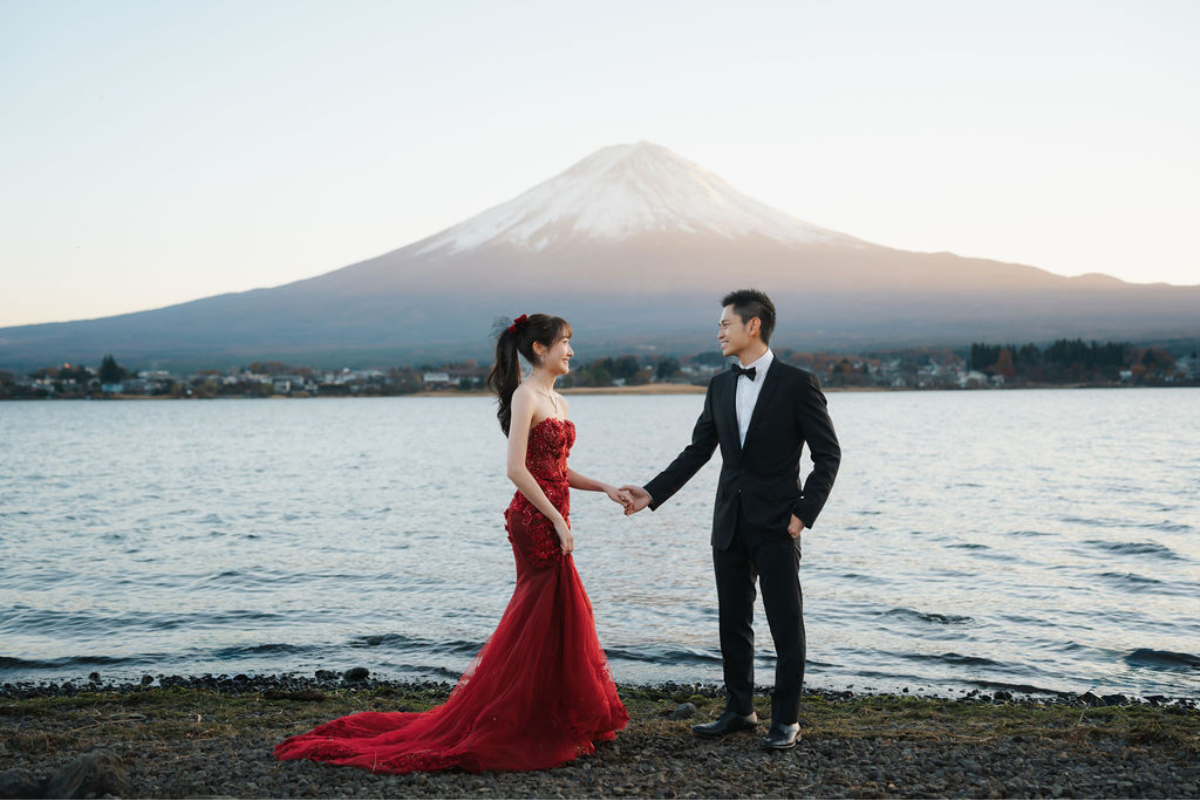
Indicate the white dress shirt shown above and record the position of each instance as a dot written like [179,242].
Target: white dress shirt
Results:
[748,391]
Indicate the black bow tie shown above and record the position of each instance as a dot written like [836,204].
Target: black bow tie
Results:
[749,372]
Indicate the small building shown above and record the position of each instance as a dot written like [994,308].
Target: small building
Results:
[972,378]
[1189,366]
[437,381]
[468,376]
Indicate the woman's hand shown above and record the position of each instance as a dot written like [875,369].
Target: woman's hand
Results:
[623,499]
[565,540]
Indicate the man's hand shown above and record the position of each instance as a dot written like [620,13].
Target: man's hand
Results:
[795,526]
[618,496]
[639,496]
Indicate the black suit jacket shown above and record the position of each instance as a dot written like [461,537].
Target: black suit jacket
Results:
[760,480]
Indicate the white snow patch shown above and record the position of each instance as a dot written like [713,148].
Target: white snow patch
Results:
[622,191]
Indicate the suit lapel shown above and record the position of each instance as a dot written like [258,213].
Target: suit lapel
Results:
[774,375]
[730,412]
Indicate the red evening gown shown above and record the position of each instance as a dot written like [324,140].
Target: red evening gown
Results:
[537,695]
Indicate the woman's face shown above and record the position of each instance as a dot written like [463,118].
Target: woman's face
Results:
[557,359]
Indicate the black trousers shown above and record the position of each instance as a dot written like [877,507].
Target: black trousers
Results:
[775,562]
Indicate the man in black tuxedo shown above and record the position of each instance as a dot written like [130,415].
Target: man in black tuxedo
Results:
[761,413]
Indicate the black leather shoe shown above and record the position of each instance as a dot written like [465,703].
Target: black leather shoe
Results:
[782,737]
[729,722]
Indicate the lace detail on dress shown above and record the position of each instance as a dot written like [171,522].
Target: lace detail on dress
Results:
[546,459]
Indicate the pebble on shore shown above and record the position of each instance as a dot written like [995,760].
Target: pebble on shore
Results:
[213,735]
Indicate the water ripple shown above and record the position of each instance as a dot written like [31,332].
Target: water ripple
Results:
[340,533]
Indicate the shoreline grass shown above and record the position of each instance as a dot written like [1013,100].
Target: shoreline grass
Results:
[186,711]
[182,741]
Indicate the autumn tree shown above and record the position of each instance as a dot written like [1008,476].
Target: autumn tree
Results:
[110,370]
[1004,365]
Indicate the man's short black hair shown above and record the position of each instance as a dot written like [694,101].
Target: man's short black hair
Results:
[751,303]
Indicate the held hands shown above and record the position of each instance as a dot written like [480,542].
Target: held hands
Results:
[638,498]
[631,498]
[618,496]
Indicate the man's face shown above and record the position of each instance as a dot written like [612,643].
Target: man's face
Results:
[733,334]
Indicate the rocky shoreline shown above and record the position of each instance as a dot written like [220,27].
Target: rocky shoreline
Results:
[176,736]
[360,678]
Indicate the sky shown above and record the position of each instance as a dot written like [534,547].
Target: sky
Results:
[157,152]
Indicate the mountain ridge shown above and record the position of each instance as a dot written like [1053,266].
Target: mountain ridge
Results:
[635,242]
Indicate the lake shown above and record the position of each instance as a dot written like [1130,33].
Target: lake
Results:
[1036,540]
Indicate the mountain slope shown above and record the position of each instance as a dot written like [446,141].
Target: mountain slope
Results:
[635,245]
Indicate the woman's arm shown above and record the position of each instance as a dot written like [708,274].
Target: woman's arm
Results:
[586,484]
[523,406]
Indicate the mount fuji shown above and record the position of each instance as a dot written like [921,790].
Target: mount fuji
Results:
[635,246]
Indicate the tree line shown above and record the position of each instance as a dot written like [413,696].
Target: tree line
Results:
[1070,360]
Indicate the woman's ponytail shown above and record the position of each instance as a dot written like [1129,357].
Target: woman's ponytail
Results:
[505,375]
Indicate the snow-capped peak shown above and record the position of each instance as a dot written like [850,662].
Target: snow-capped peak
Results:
[623,191]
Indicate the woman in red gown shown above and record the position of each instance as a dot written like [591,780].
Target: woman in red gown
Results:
[539,693]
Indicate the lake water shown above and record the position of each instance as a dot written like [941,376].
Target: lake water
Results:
[1043,540]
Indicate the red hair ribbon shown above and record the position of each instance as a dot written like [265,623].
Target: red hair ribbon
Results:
[518,322]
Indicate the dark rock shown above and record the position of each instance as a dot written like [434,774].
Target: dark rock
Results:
[326,675]
[94,677]
[147,680]
[357,674]
[1003,696]
[97,773]
[1115,700]
[1089,699]
[20,783]
[684,711]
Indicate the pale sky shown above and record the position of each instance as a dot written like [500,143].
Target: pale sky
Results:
[157,152]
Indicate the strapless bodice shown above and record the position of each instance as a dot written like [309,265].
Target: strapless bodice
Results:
[549,445]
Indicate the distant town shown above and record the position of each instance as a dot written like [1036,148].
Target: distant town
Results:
[980,366]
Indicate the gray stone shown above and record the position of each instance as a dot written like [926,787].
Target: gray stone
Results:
[97,773]
[684,711]
[21,783]
[357,674]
